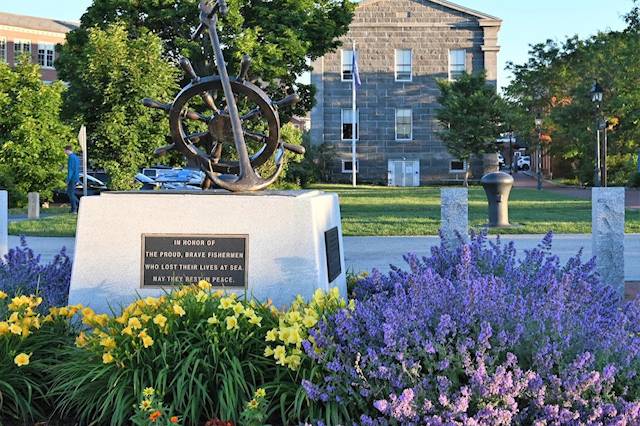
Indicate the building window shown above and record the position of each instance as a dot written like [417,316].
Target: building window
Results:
[457,63]
[403,64]
[20,47]
[3,49]
[457,166]
[347,65]
[347,124]
[348,164]
[404,125]
[46,53]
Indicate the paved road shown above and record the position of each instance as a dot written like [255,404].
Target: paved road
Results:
[366,253]
[524,180]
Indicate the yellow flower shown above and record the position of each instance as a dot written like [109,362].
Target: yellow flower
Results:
[279,352]
[145,318]
[256,320]
[135,323]
[334,293]
[268,351]
[253,404]
[22,359]
[148,391]
[232,323]
[107,358]
[81,340]
[293,361]
[15,329]
[128,331]
[249,312]
[108,343]
[272,335]
[213,320]
[226,303]
[3,295]
[160,320]
[14,317]
[218,293]
[4,328]
[204,285]
[145,404]
[260,393]
[151,301]
[63,312]
[177,309]
[238,308]
[88,312]
[309,321]
[201,297]
[147,341]
[294,317]
[352,305]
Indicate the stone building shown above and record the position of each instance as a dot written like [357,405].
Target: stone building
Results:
[403,47]
[37,37]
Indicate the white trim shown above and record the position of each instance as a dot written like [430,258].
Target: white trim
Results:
[449,61]
[60,35]
[357,130]
[53,49]
[464,169]
[342,65]
[446,4]
[345,170]
[395,65]
[410,125]
[6,46]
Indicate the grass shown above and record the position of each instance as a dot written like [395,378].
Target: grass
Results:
[384,211]
[61,225]
[43,211]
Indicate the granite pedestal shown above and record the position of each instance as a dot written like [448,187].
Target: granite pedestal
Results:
[271,245]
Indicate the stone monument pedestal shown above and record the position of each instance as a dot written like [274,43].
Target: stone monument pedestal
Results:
[271,245]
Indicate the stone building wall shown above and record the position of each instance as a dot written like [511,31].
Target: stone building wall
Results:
[379,27]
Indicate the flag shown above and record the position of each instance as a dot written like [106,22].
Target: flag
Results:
[354,68]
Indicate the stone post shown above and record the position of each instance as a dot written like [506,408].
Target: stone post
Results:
[33,209]
[454,214]
[607,212]
[4,222]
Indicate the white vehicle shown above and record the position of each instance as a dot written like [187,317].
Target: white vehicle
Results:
[524,163]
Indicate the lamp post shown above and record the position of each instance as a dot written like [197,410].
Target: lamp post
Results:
[538,122]
[596,97]
[511,150]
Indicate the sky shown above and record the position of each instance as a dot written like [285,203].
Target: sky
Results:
[525,22]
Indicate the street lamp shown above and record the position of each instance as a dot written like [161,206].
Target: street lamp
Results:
[597,95]
[538,122]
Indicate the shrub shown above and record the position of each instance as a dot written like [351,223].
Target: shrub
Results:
[28,344]
[205,353]
[22,272]
[476,336]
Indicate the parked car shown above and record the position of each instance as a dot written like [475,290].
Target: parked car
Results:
[94,187]
[167,178]
[524,163]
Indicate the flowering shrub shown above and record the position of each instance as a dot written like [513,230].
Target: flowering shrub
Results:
[476,336]
[27,350]
[22,272]
[151,411]
[203,351]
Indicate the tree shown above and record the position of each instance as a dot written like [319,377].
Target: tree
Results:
[279,35]
[32,136]
[108,77]
[470,114]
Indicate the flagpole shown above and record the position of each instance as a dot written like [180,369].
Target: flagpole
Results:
[353,117]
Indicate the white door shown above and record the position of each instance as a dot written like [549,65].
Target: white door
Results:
[404,173]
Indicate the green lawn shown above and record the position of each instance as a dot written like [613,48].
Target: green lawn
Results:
[369,210]
[51,210]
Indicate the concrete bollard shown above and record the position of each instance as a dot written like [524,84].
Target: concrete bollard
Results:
[607,213]
[454,214]
[33,207]
[4,222]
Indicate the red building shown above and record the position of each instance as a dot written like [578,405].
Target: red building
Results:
[34,36]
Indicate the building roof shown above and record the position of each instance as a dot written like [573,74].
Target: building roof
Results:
[449,5]
[35,23]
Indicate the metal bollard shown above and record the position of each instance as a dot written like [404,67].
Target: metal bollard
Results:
[498,186]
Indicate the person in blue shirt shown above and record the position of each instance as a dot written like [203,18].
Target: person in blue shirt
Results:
[73,177]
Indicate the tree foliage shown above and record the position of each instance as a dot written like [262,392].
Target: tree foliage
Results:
[279,35]
[108,76]
[32,136]
[556,82]
[470,115]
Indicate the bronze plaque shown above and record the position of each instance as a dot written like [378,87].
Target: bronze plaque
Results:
[332,246]
[177,259]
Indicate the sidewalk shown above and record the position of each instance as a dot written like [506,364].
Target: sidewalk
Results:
[367,253]
[527,180]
